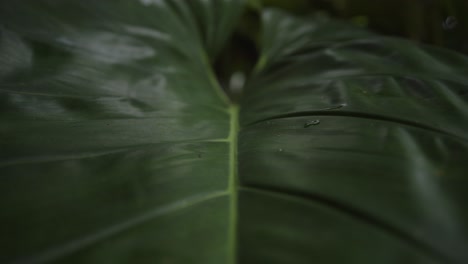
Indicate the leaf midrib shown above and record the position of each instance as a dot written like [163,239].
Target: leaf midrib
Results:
[233,183]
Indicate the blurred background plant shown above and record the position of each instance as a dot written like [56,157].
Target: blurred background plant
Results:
[438,22]
[419,20]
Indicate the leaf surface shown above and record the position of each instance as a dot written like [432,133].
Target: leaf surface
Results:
[114,132]
[352,149]
[119,146]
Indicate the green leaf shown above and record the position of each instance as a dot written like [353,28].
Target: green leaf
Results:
[119,146]
[115,137]
[353,149]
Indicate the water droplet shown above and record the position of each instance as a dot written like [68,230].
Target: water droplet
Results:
[449,23]
[311,123]
[335,107]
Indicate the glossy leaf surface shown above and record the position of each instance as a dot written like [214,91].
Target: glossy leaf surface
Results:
[359,141]
[118,145]
[114,134]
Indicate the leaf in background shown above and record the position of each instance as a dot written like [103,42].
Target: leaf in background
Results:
[114,134]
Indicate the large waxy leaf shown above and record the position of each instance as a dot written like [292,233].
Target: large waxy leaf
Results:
[353,149]
[114,137]
[118,146]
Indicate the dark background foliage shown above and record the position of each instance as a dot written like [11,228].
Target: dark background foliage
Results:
[420,20]
[442,23]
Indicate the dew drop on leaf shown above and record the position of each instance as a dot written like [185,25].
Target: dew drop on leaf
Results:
[311,123]
[335,107]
